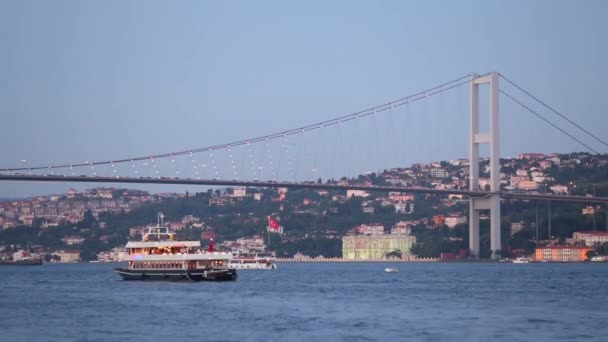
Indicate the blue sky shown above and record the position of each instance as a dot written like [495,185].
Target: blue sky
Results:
[86,80]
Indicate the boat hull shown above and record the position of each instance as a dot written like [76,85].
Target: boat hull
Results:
[177,275]
[29,262]
[253,266]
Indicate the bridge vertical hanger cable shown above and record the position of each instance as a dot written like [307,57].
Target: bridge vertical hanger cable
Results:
[213,165]
[329,153]
[252,159]
[298,156]
[242,163]
[554,111]
[376,143]
[344,172]
[289,152]
[231,165]
[403,141]
[195,171]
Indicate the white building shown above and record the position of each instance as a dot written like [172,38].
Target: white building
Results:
[73,240]
[483,182]
[401,227]
[356,193]
[591,238]
[404,208]
[588,210]
[559,189]
[400,196]
[516,227]
[68,256]
[368,209]
[453,220]
[371,229]
[252,244]
[527,185]
[239,192]
[439,173]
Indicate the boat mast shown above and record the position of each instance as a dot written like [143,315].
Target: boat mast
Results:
[160,219]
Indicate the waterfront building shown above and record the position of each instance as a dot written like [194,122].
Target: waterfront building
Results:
[68,256]
[562,253]
[590,238]
[370,247]
[116,254]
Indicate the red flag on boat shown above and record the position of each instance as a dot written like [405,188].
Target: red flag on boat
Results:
[211,245]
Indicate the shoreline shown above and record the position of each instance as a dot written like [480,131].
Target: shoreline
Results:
[280,260]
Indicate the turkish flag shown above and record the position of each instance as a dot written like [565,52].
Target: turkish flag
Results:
[273,224]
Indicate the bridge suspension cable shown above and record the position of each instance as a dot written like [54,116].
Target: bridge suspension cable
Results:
[265,138]
[554,111]
[546,120]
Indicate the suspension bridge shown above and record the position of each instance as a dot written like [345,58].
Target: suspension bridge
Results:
[253,162]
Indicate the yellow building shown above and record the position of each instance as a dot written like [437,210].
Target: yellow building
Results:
[370,247]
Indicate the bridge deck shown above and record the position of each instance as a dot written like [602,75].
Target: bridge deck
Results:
[305,185]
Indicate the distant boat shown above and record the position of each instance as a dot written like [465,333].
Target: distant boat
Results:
[23,258]
[520,260]
[391,270]
[254,262]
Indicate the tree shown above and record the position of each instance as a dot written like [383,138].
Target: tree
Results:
[88,221]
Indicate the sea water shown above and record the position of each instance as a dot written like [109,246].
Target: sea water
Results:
[311,302]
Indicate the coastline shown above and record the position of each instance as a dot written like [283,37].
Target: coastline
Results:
[280,260]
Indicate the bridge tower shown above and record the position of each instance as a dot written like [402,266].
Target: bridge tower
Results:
[492,201]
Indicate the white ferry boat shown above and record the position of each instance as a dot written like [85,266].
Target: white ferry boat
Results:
[160,257]
[252,262]
[520,260]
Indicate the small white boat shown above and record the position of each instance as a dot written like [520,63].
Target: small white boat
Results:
[391,270]
[253,262]
[520,260]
